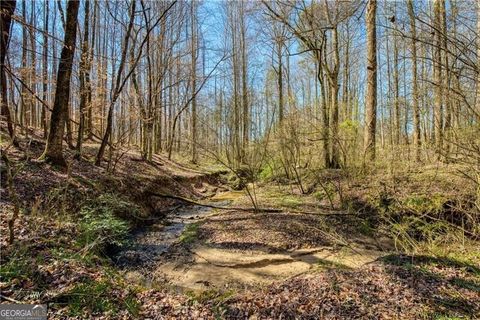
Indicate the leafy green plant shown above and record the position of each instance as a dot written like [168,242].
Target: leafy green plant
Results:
[117,206]
[267,172]
[91,296]
[18,266]
[100,227]
[190,233]
[423,204]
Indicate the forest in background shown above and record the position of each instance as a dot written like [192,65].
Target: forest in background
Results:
[220,77]
[355,120]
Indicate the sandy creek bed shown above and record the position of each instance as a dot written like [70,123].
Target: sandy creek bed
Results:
[157,254]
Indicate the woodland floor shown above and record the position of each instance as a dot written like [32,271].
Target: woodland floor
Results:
[184,261]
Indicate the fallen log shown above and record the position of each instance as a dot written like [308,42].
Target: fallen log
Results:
[248,209]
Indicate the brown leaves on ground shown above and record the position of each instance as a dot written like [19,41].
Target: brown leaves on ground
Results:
[257,231]
[374,292]
[398,287]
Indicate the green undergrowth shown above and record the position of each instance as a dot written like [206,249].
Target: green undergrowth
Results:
[71,244]
[217,299]
[20,266]
[291,202]
[106,295]
[190,234]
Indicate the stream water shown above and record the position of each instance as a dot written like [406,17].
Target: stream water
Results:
[149,244]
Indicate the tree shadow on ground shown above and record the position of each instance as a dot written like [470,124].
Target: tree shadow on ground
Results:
[287,231]
[450,287]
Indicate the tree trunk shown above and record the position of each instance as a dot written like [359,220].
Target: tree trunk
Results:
[7,8]
[53,151]
[84,80]
[33,67]
[371,94]
[437,75]
[396,102]
[24,95]
[478,63]
[45,72]
[89,121]
[416,111]
[194,79]
[335,160]
[246,118]
[116,91]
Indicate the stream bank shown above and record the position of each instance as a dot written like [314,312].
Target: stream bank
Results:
[177,249]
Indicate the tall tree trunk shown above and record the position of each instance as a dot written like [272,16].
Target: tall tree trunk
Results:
[246,117]
[194,79]
[45,71]
[447,109]
[53,151]
[7,8]
[84,79]
[280,83]
[116,90]
[396,102]
[24,95]
[324,115]
[371,94]
[437,75]
[333,75]
[33,67]
[416,111]
[478,63]
[89,120]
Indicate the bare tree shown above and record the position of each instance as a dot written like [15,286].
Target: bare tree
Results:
[85,89]
[7,8]
[54,150]
[416,111]
[437,74]
[371,94]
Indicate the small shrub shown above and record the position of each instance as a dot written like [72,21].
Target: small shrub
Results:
[132,304]
[423,204]
[100,227]
[190,233]
[117,206]
[266,173]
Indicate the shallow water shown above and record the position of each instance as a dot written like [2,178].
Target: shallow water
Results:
[149,244]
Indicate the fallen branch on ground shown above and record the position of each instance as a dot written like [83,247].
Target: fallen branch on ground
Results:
[249,209]
[9,299]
